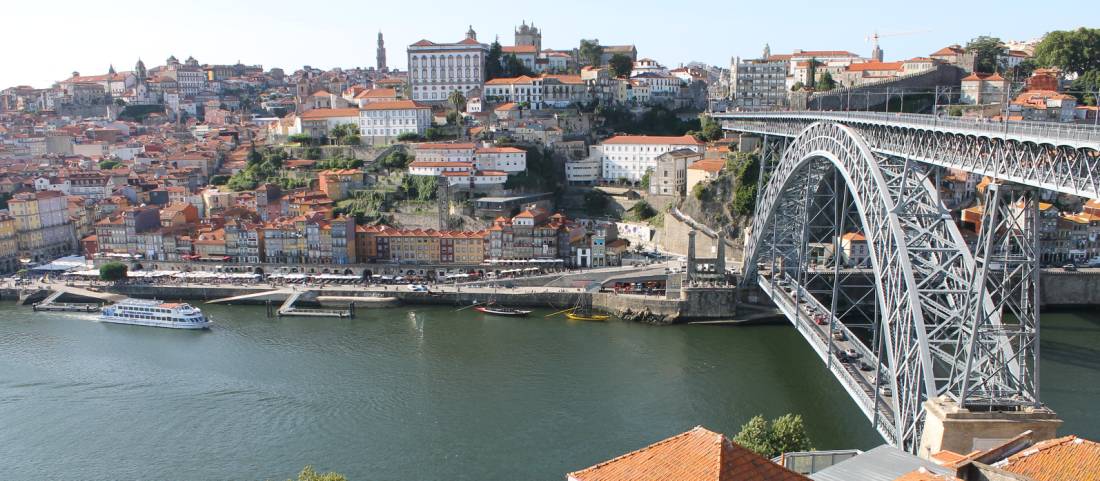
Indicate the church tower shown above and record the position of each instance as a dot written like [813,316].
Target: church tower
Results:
[767,51]
[381,54]
[471,34]
[139,71]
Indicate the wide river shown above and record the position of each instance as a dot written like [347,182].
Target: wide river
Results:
[420,394]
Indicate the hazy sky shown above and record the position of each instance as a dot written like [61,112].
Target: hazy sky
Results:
[41,42]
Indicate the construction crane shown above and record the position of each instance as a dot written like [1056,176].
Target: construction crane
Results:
[876,52]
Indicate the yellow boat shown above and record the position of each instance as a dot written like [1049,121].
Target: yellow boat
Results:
[590,317]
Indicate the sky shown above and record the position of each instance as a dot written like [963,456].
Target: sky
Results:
[41,43]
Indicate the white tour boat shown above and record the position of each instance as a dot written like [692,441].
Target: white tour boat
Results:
[143,312]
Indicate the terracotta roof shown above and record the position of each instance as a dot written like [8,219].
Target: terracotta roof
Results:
[395,105]
[1066,458]
[377,93]
[865,66]
[500,150]
[853,236]
[713,166]
[424,43]
[652,140]
[518,49]
[948,51]
[697,455]
[329,113]
[469,41]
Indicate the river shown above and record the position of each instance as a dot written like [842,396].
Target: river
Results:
[420,393]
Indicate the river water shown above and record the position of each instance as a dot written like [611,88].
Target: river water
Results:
[420,393]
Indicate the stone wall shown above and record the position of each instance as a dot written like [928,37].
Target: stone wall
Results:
[1060,288]
[874,96]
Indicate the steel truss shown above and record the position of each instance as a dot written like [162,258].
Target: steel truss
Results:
[936,328]
[1050,158]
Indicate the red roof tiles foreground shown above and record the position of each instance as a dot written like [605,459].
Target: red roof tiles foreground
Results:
[1063,459]
[697,455]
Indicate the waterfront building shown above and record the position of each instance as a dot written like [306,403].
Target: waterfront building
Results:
[9,244]
[531,234]
[437,69]
[42,226]
[420,246]
[628,157]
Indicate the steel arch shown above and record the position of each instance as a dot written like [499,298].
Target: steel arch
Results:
[922,266]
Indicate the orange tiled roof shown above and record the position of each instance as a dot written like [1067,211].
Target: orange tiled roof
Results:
[395,105]
[315,114]
[1066,458]
[925,475]
[696,455]
[713,166]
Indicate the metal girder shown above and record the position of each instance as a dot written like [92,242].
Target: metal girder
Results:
[1063,159]
[1001,356]
[922,266]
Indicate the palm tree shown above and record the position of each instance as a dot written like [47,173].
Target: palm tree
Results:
[458,100]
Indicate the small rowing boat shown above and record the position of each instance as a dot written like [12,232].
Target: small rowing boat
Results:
[502,311]
[586,317]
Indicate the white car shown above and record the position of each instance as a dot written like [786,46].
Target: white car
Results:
[418,288]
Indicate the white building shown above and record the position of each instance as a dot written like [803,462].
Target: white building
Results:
[445,152]
[506,159]
[630,156]
[544,91]
[437,69]
[437,168]
[319,122]
[383,121]
[476,179]
[854,247]
[584,171]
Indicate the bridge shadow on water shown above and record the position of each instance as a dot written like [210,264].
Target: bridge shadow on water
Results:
[1070,354]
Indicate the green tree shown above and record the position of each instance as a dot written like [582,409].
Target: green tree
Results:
[303,139]
[788,434]
[113,271]
[711,129]
[108,164]
[254,157]
[1085,87]
[646,177]
[826,82]
[642,210]
[513,67]
[396,160]
[797,86]
[755,436]
[987,53]
[308,474]
[811,73]
[4,198]
[621,65]
[409,137]
[1073,51]
[457,100]
[314,153]
[590,52]
[345,134]
[784,434]
[492,62]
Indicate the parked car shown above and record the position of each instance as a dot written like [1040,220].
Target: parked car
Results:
[851,354]
[1069,268]
[864,366]
[839,336]
[885,391]
[820,320]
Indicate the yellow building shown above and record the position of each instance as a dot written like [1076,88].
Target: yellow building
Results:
[9,244]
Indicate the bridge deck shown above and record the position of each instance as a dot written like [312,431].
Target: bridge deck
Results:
[1041,132]
[860,384]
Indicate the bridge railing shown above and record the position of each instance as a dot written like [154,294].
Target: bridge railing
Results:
[1011,128]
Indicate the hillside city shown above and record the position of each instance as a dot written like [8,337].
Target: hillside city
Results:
[503,160]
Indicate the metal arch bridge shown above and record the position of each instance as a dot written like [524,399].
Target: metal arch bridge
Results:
[933,318]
